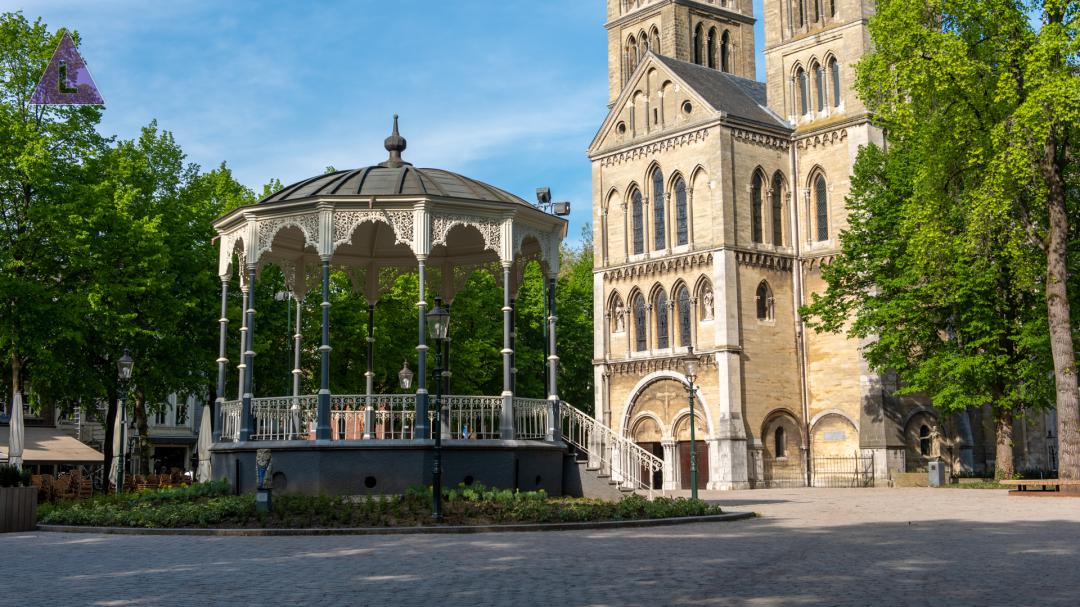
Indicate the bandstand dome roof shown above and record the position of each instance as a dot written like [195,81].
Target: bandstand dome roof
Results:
[394,177]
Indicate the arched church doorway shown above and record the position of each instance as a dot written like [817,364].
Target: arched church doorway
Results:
[701,450]
[648,435]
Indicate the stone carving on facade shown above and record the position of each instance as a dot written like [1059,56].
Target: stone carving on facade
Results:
[308,223]
[654,148]
[822,139]
[670,264]
[760,139]
[490,229]
[620,317]
[764,260]
[346,222]
[707,303]
[651,365]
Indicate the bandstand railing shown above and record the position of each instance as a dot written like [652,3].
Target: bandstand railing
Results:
[391,416]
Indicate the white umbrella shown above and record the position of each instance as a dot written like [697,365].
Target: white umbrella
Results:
[15,446]
[203,474]
[115,450]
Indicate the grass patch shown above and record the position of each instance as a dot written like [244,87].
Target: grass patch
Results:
[986,484]
[211,505]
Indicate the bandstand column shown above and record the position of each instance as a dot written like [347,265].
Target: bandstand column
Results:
[506,419]
[554,432]
[369,413]
[249,358]
[223,322]
[322,428]
[241,368]
[422,429]
[297,336]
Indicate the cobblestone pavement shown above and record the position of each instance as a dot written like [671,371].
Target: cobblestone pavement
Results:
[810,547]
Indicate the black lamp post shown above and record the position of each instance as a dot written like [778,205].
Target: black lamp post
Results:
[439,323]
[123,369]
[690,369]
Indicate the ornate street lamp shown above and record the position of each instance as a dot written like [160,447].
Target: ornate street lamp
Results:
[405,376]
[123,370]
[690,369]
[438,320]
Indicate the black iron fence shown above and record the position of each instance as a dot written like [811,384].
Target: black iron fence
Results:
[836,472]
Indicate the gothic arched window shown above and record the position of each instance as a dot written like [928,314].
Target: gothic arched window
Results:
[924,441]
[834,75]
[682,231]
[819,86]
[778,209]
[683,301]
[822,205]
[712,48]
[658,209]
[661,311]
[765,302]
[639,222]
[725,52]
[641,342]
[804,99]
[631,56]
[779,443]
[654,41]
[755,207]
[699,40]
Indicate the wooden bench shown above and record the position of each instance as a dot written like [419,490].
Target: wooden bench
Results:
[1049,485]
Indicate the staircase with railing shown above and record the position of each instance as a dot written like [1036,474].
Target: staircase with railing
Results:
[615,457]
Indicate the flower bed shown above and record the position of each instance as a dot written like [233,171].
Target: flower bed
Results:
[210,505]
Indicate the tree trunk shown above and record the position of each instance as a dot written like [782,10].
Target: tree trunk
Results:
[144,433]
[1058,314]
[1003,456]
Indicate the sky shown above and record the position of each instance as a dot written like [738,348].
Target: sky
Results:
[508,92]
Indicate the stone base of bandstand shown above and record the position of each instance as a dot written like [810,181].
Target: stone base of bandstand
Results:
[390,467]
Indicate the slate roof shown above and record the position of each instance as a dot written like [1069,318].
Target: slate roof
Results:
[739,97]
[391,181]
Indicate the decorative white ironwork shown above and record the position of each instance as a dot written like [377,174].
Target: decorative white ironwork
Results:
[531,417]
[283,418]
[230,420]
[346,222]
[393,416]
[308,223]
[629,465]
[228,249]
[473,417]
[548,242]
[490,229]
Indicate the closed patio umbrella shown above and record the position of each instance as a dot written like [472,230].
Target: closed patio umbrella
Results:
[15,446]
[203,474]
[115,450]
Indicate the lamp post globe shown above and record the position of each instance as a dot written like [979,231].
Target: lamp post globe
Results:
[405,376]
[124,367]
[438,321]
[690,370]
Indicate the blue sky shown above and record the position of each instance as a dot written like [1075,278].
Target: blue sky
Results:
[510,93]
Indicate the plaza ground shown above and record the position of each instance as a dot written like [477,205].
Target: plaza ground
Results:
[809,547]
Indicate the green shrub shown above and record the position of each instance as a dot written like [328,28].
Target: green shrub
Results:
[10,476]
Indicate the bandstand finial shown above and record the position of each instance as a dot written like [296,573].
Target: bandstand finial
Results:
[395,144]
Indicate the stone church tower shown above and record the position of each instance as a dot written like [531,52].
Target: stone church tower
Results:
[716,201]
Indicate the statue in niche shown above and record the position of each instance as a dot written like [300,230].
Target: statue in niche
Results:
[707,301]
[620,317]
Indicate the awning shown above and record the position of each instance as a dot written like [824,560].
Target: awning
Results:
[51,446]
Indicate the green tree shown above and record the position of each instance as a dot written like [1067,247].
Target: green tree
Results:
[986,107]
[43,153]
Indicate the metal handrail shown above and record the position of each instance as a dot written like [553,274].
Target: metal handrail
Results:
[619,456]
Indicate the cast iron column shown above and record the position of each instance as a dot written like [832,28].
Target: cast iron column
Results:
[249,359]
[322,429]
[554,432]
[506,420]
[242,367]
[369,413]
[421,429]
[223,323]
